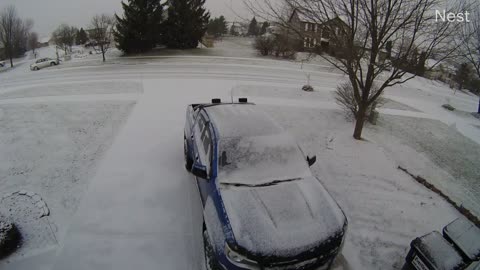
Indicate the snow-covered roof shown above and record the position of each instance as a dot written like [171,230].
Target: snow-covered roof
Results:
[240,120]
[303,16]
[284,220]
[257,149]
[45,40]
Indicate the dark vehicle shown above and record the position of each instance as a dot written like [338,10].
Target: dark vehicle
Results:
[263,208]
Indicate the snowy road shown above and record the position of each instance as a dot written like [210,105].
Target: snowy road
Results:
[141,209]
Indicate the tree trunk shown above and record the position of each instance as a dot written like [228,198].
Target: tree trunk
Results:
[10,56]
[479,106]
[357,133]
[103,53]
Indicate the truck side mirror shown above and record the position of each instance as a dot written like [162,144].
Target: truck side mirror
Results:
[200,171]
[311,160]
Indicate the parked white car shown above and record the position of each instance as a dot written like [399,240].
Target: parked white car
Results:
[43,62]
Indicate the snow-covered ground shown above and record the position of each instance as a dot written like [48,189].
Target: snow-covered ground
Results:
[101,145]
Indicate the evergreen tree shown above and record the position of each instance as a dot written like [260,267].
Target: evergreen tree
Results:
[217,27]
[462,75]
[81,37]
[233,32]
[222,24]
[186,24]
[139,30]
[420,69]
[265,26]
[253,28]
[414,59]
[388,48]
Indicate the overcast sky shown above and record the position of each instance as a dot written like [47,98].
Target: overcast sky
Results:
[48,14]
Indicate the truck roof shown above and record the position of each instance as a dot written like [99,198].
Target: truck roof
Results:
[242,120]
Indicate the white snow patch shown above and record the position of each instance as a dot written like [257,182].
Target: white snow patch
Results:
[439,252]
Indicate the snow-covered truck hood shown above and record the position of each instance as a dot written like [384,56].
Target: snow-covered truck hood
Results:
[283,220]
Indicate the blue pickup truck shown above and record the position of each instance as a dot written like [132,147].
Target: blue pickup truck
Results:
[263,208]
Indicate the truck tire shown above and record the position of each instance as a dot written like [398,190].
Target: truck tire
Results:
[210,260]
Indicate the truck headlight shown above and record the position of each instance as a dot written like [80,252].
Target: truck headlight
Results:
[240,260]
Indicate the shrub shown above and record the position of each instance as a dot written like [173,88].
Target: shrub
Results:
[264,45]
[9,238]
[285,47]
[278,45]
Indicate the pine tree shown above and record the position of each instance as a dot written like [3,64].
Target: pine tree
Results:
[422,59]
[253,28]
[388,48]
[186,24]
[233,32]
[462,75]
[222,25]
[81,37]
[217,27]
[265,26]
[141,26]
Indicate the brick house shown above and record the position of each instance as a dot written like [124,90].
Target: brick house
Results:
[317,35]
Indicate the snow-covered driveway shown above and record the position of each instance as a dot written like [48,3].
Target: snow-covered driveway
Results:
[141,209]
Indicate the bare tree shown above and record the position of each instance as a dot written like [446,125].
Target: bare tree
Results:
[360,33]
[469,41]
[8,21]
[33,43]
[101,32]
[64,37]
[20,36]
[345,98]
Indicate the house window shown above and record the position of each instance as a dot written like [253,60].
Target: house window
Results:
[310,27]
[309,42]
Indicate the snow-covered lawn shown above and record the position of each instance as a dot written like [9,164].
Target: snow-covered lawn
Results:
[112,174]
[445,157]
[52,149]
[385,208]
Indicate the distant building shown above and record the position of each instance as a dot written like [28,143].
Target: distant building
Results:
[316,35]
[44,42]
[444,72]
[240,28]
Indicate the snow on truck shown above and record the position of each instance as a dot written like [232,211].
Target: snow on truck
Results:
[263,208]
